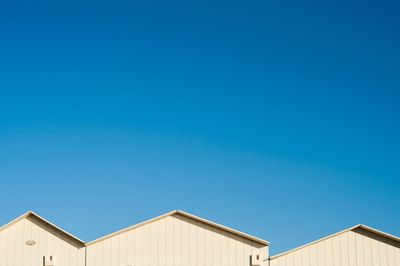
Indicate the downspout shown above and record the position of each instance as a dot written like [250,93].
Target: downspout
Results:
[85,255]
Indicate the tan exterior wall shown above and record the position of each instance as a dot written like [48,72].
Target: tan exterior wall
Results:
[172,241]
[15,252]
[351,248]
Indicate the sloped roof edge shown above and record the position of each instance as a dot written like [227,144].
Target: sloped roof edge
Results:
[367,228]
[213,224]
[33,214]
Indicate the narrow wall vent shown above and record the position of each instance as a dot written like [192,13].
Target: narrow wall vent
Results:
[48,261]
[255,260]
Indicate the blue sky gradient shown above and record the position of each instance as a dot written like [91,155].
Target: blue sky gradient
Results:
[280,119]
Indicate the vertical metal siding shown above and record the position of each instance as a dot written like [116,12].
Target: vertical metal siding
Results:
[15,252]
[172,241]
[352,248]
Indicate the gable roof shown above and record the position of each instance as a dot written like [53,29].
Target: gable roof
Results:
[199,219]
[33,216]
[353,228]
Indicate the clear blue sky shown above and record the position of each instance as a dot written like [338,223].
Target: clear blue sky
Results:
[278,118]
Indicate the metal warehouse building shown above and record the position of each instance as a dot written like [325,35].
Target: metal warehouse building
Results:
[181,239]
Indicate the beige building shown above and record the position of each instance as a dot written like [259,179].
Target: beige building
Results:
[181,239]
[30,240]
[357,246]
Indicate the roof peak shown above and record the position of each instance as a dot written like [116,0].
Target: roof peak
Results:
[362,226]
[50,224]
[186,214]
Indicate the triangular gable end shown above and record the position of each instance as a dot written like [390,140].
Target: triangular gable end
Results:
[57,231]
[360,228]
[187,217]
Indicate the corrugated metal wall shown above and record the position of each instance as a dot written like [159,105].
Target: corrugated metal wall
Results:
[179,240]
[173,240]
[15,252]
[352,248]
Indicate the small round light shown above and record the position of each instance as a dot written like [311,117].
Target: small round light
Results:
[30,242]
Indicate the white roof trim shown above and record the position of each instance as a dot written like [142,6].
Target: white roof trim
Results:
[129,228]
[386,235]
[225,228]
[367,228]
[31,213]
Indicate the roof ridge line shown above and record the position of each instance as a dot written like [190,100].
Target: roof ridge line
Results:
[362,226]
[32,213]
[176,211]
